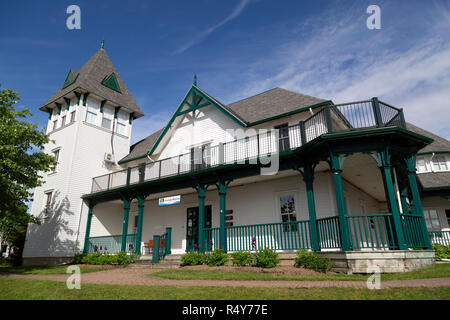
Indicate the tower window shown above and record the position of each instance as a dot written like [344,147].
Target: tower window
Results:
[121,123]
[91,111]
[107,119]
[56,155]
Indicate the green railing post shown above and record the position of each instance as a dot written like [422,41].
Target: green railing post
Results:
[377,112]
[386,173]
[88,228]
[126,212]
[336,169]
[155,253]
[141,202]
[201,192]
[308,177]
[168,240]
[418,210]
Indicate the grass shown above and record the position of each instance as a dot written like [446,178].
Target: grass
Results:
[7,269]
[19,289]
[438,271]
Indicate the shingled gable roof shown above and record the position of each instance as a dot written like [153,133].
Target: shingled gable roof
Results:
[263,106]
[90,77]
[438,145]
[272,103]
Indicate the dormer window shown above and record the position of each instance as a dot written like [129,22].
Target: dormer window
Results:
[440,163]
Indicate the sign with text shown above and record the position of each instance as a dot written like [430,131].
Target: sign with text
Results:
[167,201]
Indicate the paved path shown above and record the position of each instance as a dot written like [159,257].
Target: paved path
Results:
[139,276]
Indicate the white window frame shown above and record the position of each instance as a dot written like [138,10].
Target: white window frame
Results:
[297,211]
[425,167]
[73,110]
[122,123]
[429,220]
[440,164]
[57,153]
[108,114]
[92,109]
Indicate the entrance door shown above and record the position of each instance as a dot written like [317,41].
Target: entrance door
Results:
[192,226]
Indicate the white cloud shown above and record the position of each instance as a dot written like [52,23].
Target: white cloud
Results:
[205,33]
[344,61]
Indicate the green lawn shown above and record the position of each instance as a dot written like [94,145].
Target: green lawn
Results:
[438,271]
[18,289]
[6,268]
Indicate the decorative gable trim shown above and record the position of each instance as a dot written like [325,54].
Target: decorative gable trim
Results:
[71,77]
[194,100]
[111,82]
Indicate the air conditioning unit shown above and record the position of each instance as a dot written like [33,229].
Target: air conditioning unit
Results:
[109,157]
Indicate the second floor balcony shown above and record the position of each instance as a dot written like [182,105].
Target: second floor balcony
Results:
[354,116]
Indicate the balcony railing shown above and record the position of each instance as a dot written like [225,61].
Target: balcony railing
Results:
[330,119]
[111,244]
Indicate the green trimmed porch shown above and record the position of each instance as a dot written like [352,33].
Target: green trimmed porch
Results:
[332,135]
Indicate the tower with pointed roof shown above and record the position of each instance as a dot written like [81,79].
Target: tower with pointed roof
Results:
[90,119]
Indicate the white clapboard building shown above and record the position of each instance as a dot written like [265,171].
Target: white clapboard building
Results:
[280,169]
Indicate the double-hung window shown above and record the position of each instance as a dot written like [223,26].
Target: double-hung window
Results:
[56,155]
[72,110]
[108,115]
[121,127]
[48,202]
[91,111]
[421,165]
[288,211]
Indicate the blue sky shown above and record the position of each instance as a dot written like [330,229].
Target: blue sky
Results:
[237,48]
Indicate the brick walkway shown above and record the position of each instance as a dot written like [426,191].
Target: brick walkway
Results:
[139,276]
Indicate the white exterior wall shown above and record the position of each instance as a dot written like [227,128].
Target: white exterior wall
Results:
[82,150]
[255,203]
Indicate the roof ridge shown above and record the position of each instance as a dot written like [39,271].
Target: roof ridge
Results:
[252,96]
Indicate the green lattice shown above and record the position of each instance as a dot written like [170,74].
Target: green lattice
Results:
[111,82]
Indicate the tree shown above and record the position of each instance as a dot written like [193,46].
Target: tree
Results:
[22,161]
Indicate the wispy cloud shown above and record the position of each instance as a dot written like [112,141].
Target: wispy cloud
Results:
[205,33]
[342,60]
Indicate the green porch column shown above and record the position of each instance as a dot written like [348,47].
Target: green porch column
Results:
[201,192]
[140,221]
[126,212]
[308,177]
[222,187]
[336,169]
[386,173]
[418,209]
[88,228]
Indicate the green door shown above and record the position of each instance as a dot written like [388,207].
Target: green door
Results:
[192,225]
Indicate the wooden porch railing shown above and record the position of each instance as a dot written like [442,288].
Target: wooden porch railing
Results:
[440,237]
[330,119]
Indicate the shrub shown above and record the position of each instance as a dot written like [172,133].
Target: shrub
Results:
[266,258]
[441,251]
[106,259]
[217,258]
[311,260]
[241,258]
[192,258]
[78,258]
